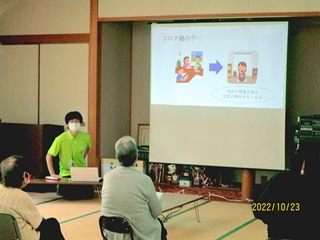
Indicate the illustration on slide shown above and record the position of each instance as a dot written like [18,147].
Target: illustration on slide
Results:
[243,67]
[186,62]
[198,60]
[188,70]
[181,77]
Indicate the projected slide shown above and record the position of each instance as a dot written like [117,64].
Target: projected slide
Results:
[218,94]
[226,65]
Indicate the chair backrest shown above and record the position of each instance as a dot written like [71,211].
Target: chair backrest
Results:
[115,224]
[9,227]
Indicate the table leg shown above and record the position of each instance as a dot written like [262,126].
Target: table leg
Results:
[196,209]
[99,188]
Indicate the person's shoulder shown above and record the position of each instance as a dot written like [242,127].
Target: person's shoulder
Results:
[84,134]
[22,195]
[62,135]
[281,175]
[279,181]
[2,189]
[288,174]
[135,169]
[138,173]
[142,175]
[111,172]
[60,138]
[25,195]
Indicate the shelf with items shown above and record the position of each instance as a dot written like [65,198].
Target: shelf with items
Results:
[213,182]
[214,193]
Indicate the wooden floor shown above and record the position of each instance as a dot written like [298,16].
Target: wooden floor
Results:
[218,219]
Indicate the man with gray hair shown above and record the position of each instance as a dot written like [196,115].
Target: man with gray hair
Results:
[129,193]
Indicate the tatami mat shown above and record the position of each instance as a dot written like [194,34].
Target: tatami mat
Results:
[218,220]
[41,198]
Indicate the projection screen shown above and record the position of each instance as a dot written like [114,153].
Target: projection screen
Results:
[218,94]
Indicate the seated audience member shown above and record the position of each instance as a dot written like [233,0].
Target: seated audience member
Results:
[129,193]
[287,202]
[72,147]
[19,204]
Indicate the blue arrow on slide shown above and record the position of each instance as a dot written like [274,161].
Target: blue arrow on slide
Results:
[215,67]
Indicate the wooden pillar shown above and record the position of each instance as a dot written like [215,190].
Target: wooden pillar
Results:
[247,184]
[94,89]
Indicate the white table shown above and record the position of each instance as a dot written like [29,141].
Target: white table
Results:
[173,202]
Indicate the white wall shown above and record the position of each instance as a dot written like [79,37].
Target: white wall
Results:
[63,82]
[57,73]
[143,8]
[303,70]
[115,85]
[19,84]
[18,17]
[140,103]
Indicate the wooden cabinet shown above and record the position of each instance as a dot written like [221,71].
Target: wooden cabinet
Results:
[32,141]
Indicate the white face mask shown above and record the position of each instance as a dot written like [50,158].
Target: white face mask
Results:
[74,127]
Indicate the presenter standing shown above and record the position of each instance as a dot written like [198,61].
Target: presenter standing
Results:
[72,147]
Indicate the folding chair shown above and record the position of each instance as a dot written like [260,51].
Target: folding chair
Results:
[9,227]
[114,224]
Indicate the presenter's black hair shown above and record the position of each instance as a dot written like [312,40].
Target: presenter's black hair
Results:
[73,115]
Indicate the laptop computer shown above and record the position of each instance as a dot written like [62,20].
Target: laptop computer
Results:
[84,174]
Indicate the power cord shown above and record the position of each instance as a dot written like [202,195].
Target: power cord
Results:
[230,200]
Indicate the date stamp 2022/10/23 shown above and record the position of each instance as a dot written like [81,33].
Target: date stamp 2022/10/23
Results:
[276,207]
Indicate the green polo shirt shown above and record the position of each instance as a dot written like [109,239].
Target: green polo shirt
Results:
[70,149]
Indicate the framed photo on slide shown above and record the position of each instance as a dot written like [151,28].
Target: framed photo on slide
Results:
[143,134]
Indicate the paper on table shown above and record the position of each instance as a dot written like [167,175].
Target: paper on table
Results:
[160,196]
[52,178]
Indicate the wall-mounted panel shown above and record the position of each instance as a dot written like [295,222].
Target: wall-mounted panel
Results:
[44,17]
[19,84]
[140,102]
[63,82]
[115,84]
[142,8]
